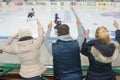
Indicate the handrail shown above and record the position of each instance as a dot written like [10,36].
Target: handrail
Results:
[9,67]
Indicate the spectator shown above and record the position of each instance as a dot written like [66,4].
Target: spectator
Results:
[117,38]
[27,51]
[66,52]
[101,52]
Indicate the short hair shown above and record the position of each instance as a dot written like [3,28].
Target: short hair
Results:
[103,35]
[63,29]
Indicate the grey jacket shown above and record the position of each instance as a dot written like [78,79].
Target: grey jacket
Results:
[80,38]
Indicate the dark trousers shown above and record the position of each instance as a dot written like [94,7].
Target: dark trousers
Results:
[33,78]
[30,15]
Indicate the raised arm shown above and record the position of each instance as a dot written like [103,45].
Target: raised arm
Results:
[81,31]
[6,47]
[85,46]
[40,30]
[48,42]
[40,33]
[117,37]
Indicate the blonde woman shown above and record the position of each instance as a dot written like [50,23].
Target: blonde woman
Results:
[27,51]
[101,52]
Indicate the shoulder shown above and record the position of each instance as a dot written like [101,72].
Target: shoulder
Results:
[92,42]
[101,58]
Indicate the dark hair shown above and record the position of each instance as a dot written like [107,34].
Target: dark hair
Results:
[25,38]
[63,29]
[56,15]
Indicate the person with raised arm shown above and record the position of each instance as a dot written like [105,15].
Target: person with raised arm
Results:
[27,51]
[66,52]
[101,52]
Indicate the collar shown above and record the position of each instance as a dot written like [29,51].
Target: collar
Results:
[99,57]
[65,38]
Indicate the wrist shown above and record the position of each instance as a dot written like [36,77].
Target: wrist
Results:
[14,37]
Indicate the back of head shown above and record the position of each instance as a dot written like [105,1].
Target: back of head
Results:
[103,35]
[24,32]
[63,29]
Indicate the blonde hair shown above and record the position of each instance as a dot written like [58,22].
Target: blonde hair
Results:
[103,35]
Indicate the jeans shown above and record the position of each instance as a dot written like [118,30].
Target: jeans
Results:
[33,78]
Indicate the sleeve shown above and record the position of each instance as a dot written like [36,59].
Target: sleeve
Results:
[80,37]
[117,37]
[39,40]
[6,47]
[48,42]
[86,48]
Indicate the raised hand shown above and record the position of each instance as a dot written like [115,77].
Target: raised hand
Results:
[78,22]
[38,22]
[50,24]
[116,24]
[15,35]
[86,34]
